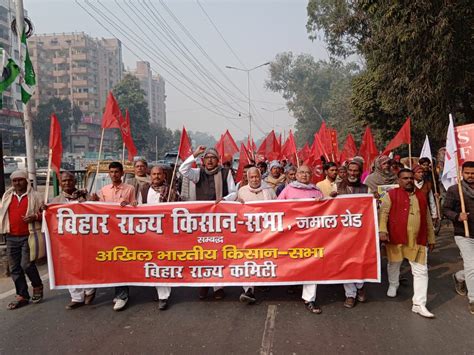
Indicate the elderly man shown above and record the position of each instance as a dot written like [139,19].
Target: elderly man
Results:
[255,190]
[463,279]
[290,174]
[301,189]
[382,174]
[124,194]
[153,194]
[70,193]
[213,183]
[20,216]
[348,186]
[405,226]
[141,178]
[425,186]
[275,178]
[328,185]
[244,180]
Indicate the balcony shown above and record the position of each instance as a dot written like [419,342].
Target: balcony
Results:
[60,85]
[60,72]
[79,83]
[79,70]
[59,60]
[82,96]
[79,56]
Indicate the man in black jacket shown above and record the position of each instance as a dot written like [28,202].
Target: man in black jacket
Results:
[463,279]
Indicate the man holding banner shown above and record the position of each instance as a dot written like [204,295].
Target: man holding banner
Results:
[452,209]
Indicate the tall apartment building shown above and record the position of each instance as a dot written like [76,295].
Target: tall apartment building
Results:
[11,115]
[82,69]
[154,87]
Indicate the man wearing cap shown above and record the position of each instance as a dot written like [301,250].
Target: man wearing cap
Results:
[141,178]
[275,178]
[213,183]
[20,216]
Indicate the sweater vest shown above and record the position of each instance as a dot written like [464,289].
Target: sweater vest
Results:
[206,188]
[398,217]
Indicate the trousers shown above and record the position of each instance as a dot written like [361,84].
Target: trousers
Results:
[466,247]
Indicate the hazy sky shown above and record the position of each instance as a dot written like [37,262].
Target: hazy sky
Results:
[255,30]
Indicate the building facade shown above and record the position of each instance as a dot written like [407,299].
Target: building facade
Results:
[154,88]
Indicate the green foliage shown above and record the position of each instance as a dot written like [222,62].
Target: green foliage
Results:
[314,90]
[418,55]
[42,120]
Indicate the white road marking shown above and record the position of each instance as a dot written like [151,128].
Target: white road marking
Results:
[11,292]
[269,331]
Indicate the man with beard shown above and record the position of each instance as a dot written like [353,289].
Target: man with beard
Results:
[405,226]
[302,189]
[153,194]
[328,185]
[382,174]
[275,178]
[290,174]
[213,183]
[255,190]
[70,193]
[463,279]
[352,185]
[140,167]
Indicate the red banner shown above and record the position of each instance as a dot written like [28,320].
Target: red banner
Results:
[465,140]
[202,243]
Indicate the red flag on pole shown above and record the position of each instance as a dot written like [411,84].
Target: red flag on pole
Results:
[349,150]
[226,147]
[403,137]
[55,145]
[112,113]
[269,148]
[126,130]
[334,144]
[185,149]
[288,150]
[368,149]
[318,149]
[244,159]
[304,152]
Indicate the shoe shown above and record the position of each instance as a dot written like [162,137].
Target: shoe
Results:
[392,291]
[350,302]
[162,305]
[115,300]
[313,307]
[247,297]
[422,311]
[219,294]
[459,286]
[89,298]
[203,291]
[74,305]
[361,295]
[471,308]
[37,294]
[120,304]
[18,303]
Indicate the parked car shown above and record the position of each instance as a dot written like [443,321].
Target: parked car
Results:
[9,165]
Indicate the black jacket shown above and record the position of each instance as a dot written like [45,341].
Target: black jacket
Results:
[452,209]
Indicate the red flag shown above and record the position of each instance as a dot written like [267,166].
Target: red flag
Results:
[318,149]
[334,144]
[112,115]
[403,137]
[304,152]
[185,150]
[55,145]
[126,130]
[368,149]
[349,150]
[244,159]
[269,148]
[288,150]
[326,140]
[226,147]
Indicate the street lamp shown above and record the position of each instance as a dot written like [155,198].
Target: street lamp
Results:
[248,88]
[273,113]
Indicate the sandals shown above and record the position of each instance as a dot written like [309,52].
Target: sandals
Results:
[313,307]
[18,303]
[37,294]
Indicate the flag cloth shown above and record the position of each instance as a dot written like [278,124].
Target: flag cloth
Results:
[368,150]
[10,71]
[334,153]
[288,150]
[403,137]
[244,159]
[349,150]
[318,149]
[55,145]
[226,147]
[185,150]
[426,150]
[304,152]
[449,171]
[112,115]
[126,130]
[325,139]
[28,84]
[269,148]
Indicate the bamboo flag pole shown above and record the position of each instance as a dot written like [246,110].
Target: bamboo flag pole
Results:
[172,177]
[297,159]
[435,185]
[123,154]
[461,195]
[48,177]
[98,158]
[409,154]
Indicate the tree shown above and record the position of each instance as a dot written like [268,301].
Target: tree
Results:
[314,90]
[42,119]
[130,96]
[202,138]
[418,57]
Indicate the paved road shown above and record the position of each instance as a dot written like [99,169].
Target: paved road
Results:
[279,324]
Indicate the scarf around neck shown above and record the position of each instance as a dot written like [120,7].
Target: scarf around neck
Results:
[301,186]
[468,190]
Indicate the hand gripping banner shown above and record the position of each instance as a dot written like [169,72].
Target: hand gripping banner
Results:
[203,243]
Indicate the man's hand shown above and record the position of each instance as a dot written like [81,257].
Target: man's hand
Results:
[30,218]
[333,194]
[218,200]
[94,197]
[376,195]
[43,207]
[463,216]
[383,237]
[431,247]
[199,150]
[134,204]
